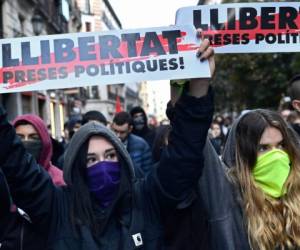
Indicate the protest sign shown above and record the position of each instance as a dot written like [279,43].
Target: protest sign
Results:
[247,27]
[80,59]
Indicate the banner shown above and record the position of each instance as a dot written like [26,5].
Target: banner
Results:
[80,59]
[247,27]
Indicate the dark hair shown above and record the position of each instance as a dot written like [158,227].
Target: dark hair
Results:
[22,122]
[137,109]
[294,90]
[162,134]
[250,129]
[94,115]
[81,210]
[72,122]
[122,118]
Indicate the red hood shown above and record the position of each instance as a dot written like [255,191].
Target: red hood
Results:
[46,153]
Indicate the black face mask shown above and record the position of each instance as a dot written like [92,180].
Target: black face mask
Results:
[34,148]
[139,122]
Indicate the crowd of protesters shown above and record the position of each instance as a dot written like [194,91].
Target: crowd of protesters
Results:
[199,182]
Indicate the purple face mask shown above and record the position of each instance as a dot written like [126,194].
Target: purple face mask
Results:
[103,181]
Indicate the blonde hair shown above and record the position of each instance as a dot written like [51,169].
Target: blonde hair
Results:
[271,223]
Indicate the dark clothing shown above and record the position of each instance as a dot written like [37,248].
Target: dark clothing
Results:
[140,154]
[220,202]
[20,234]
[187,228]
[296,127]
[58,151]
[135,216]
[5,206]
[16,233]
[212,218]
[146,133]
[217,143]
[4,198]
[47,149]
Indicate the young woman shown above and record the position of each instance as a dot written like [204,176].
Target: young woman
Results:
[263,153]
[251,199]
[103,205]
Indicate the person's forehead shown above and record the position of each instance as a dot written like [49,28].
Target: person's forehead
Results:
[26,128]
[138,114]
[123,127]
[99,144]
[271,135]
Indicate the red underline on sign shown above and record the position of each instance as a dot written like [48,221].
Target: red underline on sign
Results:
[252,32]
[182,47]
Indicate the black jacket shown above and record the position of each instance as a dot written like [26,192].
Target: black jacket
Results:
[147,133]
[212,218]
[134,222]
[5,206]
[20,234]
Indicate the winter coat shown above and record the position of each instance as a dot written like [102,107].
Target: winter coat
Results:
[140,153]
[19,232]
[213,218]
[4,207]
[133,220]
[148,134]
[47,148]
[16,232]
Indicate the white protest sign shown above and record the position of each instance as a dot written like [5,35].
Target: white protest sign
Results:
[247,27]
[119,56]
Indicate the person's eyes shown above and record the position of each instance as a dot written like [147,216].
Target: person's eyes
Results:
[263,148]
[22,137]
[281,146]
[34,137]
[91,160]
[112,156]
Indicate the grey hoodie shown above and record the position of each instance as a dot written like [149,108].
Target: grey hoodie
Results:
[219,198]
[83,135]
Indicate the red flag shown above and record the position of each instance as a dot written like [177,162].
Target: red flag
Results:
[118,105]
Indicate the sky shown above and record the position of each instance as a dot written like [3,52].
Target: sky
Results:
[147,14]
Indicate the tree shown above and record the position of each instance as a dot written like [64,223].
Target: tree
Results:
[247,81]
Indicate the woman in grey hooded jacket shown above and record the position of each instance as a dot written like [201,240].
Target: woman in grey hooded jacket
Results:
[251,198]
[103,206]
[263,153]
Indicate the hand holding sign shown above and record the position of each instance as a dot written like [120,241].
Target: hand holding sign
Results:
[198,86]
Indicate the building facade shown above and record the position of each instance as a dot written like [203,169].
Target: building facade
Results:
[21,18]
[98,15]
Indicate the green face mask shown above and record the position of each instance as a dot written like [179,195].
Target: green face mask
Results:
[271,172]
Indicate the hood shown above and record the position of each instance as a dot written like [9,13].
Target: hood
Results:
[229,148]
[41,128]
[83,135]
[135,110]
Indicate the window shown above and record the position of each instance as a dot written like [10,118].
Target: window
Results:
[88,26]
[87,7]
